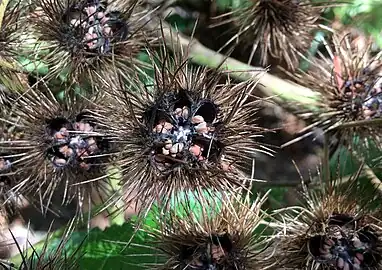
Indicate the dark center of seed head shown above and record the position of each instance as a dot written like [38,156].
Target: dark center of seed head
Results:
[72,142]
[366,100]
[97,26]
[184,132]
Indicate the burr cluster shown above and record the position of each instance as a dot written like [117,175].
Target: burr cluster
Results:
[177,140]
[97,25]
[73,144]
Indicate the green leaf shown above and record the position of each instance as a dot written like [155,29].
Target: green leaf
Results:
[106,250]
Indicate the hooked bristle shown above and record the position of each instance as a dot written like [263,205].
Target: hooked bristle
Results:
[90,38]
[276,29]
[335,228]
[185,131]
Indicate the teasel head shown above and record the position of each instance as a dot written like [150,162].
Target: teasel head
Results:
[61,149]
[348,81]
[276,30]
[86,37]
[335,228]
[225,236]
[191,129]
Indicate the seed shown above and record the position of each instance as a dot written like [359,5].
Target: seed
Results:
[74,22]
[201,128]
[195,150]
[168,126]
[90,10]
[4,164]
[180,147]
[197,119]
[168,144]
[59,162]
[104,20]
[185,112]
[340,263]
[359,256]
[173,155]
[107,31]
[66,150]
[165,151]
[91,30]
[176,148]
[92,145]
[178,112]
[84,166]
[88,36]
[100,15]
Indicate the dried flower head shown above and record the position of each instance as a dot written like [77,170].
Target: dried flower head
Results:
[86,36]
[199,239]
[60,148]
[349,84]
[334,229]
[185,131]
[276,29]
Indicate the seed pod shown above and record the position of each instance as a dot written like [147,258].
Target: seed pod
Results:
[91,38]
[202,97]
[336,228]
[276,30]
[61,147]
[348,86]
[223,238]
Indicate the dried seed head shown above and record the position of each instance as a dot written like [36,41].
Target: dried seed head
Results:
[90,36]
[60,148]
[349,84]
[277,29]
[187,132]
[335,229]
[221,240]
[12,27]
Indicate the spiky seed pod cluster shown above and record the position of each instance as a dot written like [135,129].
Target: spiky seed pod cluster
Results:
[185,131]
[349,83]
[61,147]
[334,229]
[276,29]
[90,36]
[222,238]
